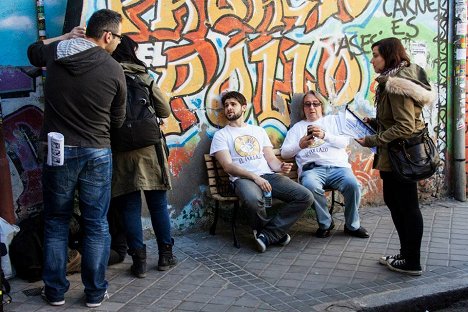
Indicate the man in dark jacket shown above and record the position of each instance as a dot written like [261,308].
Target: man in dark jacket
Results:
[85,94]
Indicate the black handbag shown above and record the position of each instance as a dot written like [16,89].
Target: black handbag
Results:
[415,158]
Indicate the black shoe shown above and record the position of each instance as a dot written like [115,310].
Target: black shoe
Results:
[322,233]
[284,240]
[402,267]
[55,303]
[385,259]
[361,232]
[167,259]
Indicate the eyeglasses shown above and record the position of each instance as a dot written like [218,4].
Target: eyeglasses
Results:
[115,35]
[314,104]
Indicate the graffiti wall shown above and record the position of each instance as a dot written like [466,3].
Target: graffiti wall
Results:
[269,51]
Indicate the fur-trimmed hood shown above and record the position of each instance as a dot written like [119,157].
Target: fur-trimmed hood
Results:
[410,81]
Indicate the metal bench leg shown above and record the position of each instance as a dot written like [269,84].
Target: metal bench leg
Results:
[233,224]
[215,221]
[332,207]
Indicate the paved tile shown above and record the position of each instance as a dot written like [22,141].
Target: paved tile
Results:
[214,276]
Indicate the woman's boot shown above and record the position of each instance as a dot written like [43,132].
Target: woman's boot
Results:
[166,260]
[138,267]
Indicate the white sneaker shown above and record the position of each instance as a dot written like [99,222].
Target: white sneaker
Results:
[97,304]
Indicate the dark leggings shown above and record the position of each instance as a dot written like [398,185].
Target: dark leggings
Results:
[402,200]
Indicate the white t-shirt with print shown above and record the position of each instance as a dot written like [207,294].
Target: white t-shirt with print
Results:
[330,151]
[245,144]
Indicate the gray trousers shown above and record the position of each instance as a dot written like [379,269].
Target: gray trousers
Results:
[296,198]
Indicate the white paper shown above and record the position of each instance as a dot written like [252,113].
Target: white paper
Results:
[55,145]
[350,125]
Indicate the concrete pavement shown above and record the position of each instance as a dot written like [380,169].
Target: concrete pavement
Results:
[339,273]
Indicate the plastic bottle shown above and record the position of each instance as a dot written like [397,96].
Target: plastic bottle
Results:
[267,196]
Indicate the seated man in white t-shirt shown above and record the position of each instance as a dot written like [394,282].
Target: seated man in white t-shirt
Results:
[246,154]
[322,161]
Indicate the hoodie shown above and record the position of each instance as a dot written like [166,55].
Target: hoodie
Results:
[85,91]
[399,110]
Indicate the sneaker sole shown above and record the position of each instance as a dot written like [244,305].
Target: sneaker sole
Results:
[408,272]
[261,247]
[384,260]
[98,304]
[52,303]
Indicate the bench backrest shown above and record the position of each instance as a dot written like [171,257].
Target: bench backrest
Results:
[218,180]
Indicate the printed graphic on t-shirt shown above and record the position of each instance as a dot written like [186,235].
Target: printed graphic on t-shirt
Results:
[316,147]
[246,145]
[317,142]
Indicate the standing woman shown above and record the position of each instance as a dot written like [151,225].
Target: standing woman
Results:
[402,91]
[141,170]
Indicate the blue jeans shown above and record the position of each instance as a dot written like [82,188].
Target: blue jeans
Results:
[338,178]
[296,197]
[131,213]
[89,170]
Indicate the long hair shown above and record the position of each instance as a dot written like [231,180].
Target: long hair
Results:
[392,51]
[125,52]
[102,21]
[319,97]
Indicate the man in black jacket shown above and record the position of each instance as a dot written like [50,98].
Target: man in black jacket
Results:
[85,95]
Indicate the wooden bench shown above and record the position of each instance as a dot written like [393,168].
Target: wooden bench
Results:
[220,190]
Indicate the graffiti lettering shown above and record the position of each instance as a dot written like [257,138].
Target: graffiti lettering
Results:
[356,45]
[393,8]
[411,26]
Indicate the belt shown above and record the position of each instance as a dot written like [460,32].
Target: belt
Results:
[308,166]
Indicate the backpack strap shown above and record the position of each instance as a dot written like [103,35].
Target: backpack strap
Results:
[159,147]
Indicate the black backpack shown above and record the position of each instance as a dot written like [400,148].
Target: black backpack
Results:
[26,249]
[141,126]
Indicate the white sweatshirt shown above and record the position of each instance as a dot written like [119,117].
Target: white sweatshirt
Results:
[330,151]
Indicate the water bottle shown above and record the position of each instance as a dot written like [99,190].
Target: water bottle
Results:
[267,196]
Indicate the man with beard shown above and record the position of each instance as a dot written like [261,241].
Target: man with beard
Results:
[246,154]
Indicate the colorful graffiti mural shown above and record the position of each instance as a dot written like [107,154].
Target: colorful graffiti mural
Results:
[270,50]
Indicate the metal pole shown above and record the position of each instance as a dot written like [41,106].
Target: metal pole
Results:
[459,76]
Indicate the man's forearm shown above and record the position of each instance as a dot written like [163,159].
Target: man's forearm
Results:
[237,171]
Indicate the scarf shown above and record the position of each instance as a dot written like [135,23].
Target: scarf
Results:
[382,78]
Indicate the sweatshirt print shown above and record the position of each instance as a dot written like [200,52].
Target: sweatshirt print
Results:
[245,144]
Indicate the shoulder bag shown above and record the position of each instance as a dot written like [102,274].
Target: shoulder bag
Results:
[415,158]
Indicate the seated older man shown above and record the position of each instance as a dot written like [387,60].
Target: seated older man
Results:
[322,161]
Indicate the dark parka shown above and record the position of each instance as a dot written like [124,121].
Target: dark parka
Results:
[399,109]
[139,169]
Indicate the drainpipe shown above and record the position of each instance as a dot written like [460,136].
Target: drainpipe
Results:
[457,31]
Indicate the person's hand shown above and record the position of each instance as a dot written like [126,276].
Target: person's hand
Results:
[366,119]
[317,132]
[361,141]
[77,32]
[263,184]
[306,141]
[286,167]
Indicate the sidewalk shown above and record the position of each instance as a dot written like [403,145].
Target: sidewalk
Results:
[338,273]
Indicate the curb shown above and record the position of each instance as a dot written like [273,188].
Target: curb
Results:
[418,298]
